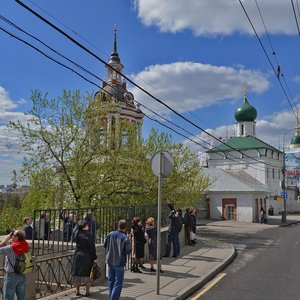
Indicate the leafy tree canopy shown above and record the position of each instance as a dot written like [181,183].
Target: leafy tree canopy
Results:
[69,166]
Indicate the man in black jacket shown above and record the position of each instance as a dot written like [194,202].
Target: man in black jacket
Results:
[175,226]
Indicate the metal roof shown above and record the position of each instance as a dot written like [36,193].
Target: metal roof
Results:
[242,143]
[225,181]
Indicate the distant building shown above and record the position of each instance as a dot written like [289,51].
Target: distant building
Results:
[13,196]
[254,167]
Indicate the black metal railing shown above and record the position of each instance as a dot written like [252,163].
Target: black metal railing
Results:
[53,275]
[52,228]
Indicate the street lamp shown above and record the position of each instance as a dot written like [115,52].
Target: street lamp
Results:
[283,212]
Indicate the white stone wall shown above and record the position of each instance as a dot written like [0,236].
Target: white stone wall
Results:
[246,210]
[261,171]
[244,205]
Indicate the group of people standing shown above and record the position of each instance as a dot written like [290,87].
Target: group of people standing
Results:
[138,241]
[118,245]
[176,220]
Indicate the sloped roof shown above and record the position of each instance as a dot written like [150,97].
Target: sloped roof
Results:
[242,143]
[225,181]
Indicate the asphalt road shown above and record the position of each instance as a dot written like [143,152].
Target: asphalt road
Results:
[267,265]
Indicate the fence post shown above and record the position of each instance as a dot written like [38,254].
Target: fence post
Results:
[30,283]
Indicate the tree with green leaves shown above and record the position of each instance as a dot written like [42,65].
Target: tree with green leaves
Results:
[69,166]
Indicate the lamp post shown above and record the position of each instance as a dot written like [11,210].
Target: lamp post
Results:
[283,212]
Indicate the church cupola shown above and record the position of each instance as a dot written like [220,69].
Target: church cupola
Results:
[118,113]
[245,116]
[295,142]
[114,77]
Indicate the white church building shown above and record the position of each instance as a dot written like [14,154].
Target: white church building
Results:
[246,173]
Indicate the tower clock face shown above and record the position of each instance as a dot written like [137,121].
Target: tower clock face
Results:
[129,97]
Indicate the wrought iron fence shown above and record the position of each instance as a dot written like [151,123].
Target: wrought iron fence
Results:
[52,228]
[52,238]
[53,275]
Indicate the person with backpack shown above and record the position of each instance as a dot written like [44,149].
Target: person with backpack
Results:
[13,283]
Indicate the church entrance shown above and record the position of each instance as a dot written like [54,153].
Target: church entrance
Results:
[229,209]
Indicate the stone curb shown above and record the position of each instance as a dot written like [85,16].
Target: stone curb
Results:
[196,285]
[288,224]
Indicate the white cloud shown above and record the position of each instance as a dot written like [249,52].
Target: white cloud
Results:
[10,158]
[190,86]
[297,79]
[5,101]
[6,116]
[216,17]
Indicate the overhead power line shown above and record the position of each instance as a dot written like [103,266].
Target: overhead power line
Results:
[296,19]
[233,157]
[106,54]
[128,79]
[279,70]
[265,52]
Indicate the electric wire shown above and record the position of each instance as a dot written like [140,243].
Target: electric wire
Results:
[274,53]
[84,69]
[128,79]
[46,55]
[69,28]
[268,58]
[298,10]
[262,19]
[294,11]
[106,54]
[233,158]
[172,129]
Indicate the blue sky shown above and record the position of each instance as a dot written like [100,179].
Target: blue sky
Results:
[194,55]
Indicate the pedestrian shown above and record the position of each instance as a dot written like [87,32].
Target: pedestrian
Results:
[194,222]
[188,223]
[117,247]
[174,228]
[42,226]
[27,227]
[13,284]
[84,256]
[151,231]
[271,211]
[138,244]
[70,222]
[263,216]
[93,225]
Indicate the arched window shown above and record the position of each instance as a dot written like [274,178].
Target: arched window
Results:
[102,136]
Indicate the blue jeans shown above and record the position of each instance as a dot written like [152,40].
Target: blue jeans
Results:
[14,284]
[115,281]
[172,239]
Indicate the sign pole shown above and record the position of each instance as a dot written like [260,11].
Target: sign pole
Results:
[162,165]
[160,178]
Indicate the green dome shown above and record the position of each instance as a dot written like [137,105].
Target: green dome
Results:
[295,140]
[246,112]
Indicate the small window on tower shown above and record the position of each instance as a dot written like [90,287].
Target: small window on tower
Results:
[242,129]
[102,136]
[125,137]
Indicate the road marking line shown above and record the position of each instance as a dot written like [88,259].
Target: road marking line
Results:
[212,283]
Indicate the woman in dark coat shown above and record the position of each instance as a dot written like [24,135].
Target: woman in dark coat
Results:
[85,254]
[151,231]
[138,244]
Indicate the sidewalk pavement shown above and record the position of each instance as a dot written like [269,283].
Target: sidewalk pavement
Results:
[183,275]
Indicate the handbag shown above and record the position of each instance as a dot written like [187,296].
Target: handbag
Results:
[192,235]
[95,272]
